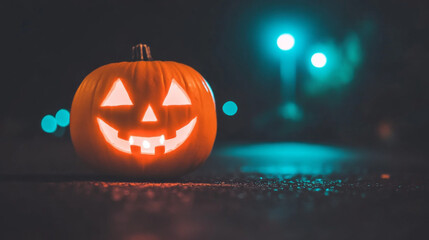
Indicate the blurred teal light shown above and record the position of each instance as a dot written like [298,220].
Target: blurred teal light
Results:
[291,111]
[318,60]
[230,108]
[62,117]
[49,124]
[285,42]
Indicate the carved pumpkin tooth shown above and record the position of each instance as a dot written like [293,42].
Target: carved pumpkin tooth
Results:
[123,135]
[159,150]
[170,134]
[135,149]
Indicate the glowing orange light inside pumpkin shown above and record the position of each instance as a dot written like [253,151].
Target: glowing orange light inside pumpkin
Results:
[149,115]
[117,96]
[147,144]
[176,96]
[144,118]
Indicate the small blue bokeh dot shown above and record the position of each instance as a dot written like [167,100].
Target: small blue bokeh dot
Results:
[230,108]
[63,118]
[49,124]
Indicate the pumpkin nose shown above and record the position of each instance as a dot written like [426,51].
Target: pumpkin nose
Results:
[149,115]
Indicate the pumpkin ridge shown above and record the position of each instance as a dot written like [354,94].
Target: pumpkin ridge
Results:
[186,87]
[164,86]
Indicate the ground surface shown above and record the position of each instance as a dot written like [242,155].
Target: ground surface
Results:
[245,191]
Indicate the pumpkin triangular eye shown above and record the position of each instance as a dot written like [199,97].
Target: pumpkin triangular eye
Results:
[117,96]
[176,96]
[149,115]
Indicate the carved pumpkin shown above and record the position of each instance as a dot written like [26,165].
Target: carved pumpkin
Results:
[144,118]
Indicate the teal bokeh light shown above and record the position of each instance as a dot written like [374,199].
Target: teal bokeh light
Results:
[318,60]
[285,41]
[230,108]
[49,124]
[291,111]
[273,25]
[324,61]
[62,117]
[342,61]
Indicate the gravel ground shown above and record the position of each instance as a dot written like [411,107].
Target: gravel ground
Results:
[367,198]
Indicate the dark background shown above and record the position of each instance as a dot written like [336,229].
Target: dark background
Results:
[355,166]
[50,46]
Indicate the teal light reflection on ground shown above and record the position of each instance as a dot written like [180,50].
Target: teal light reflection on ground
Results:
[288,158]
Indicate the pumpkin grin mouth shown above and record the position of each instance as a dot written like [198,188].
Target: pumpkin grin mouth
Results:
[147,145]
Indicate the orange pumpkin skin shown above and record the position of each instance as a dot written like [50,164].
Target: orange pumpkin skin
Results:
[147,83]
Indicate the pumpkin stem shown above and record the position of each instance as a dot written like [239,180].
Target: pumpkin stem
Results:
[141,52]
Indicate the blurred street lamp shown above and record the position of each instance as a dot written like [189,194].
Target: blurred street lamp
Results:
[318,60]
[285,42]
[288,77]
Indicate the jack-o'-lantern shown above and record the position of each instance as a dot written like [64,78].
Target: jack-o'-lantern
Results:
[144,118]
